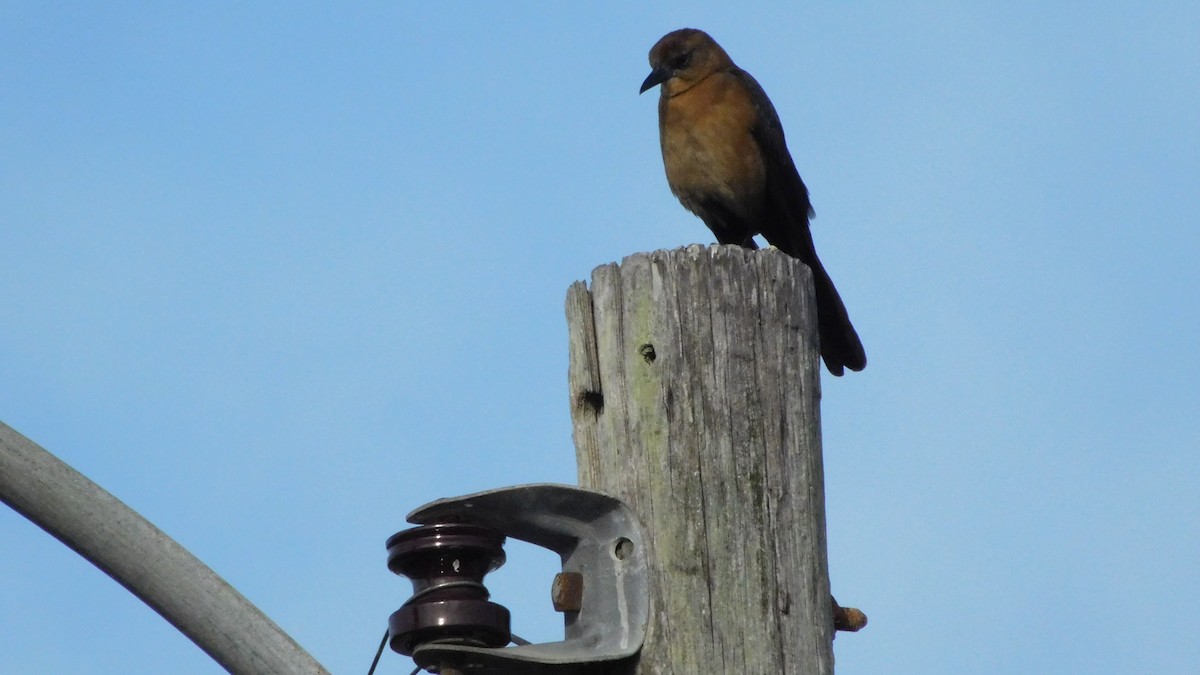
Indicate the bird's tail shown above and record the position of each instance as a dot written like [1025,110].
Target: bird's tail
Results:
[840,346]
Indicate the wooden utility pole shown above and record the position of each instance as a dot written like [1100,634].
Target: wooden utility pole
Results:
[695,385]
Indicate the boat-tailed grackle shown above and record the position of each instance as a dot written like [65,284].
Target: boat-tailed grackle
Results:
[728,163]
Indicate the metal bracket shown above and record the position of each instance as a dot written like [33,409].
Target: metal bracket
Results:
[597,536]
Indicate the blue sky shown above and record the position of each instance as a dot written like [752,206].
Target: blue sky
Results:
[276,273]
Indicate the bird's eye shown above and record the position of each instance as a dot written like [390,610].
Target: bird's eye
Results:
[680,62]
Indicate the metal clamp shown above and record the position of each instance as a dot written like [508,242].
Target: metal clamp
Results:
[601,545]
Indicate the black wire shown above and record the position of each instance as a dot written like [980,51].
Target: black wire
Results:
[379,653]
[441,587]
[516,640]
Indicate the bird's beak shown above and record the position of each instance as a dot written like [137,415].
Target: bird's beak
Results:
[656,77]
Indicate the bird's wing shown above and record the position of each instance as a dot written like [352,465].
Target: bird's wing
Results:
[788,205]
[785,225]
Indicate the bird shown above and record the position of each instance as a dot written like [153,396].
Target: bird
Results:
[727,161]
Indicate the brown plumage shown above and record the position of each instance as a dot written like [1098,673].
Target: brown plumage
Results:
[727,162]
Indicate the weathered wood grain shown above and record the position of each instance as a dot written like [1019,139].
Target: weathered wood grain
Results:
[695,389]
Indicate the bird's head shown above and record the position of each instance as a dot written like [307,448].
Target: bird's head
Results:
[682,58]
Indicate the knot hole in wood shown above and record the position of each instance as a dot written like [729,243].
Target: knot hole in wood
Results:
[647,352]
[591,399]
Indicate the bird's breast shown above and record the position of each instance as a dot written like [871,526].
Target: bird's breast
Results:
[707,145]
